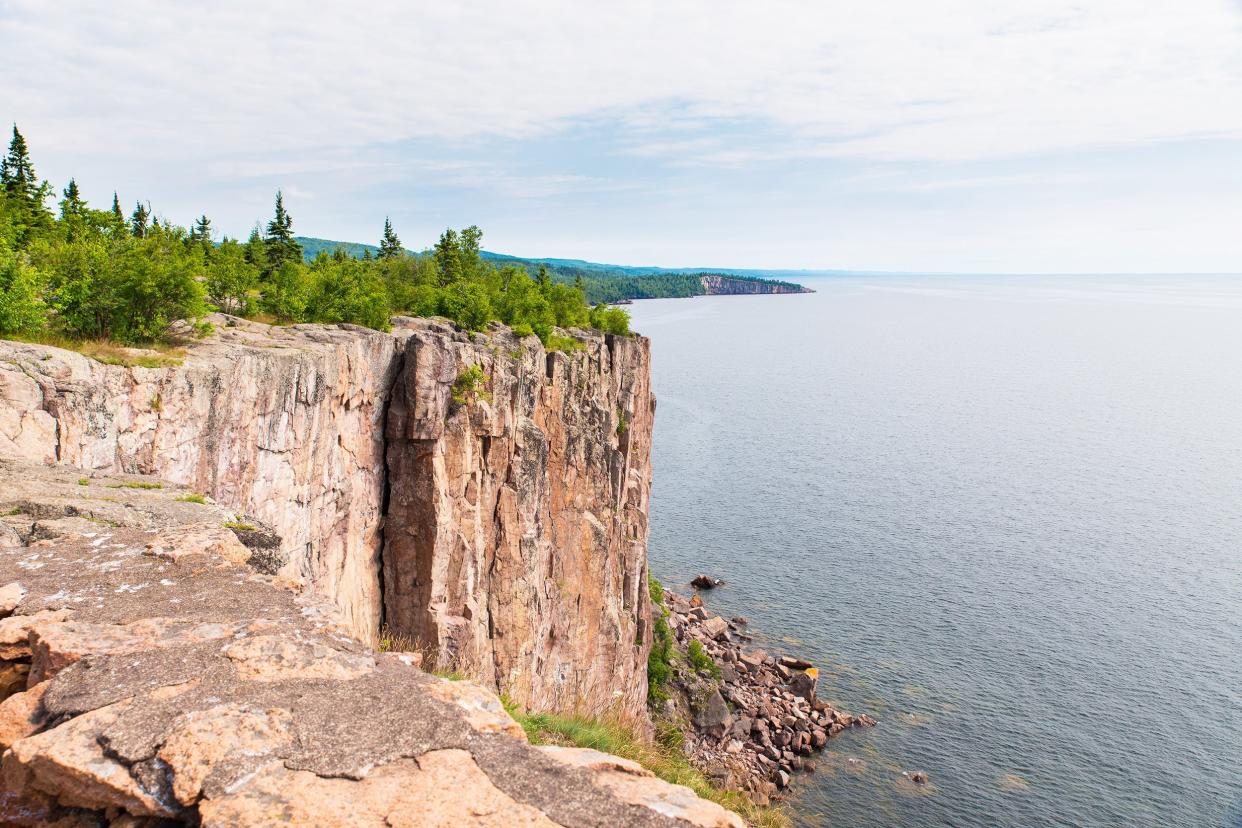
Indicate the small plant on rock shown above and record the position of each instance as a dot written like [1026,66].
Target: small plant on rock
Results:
[701,661]
[468,386]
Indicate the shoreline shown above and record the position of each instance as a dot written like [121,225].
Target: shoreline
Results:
[751,719]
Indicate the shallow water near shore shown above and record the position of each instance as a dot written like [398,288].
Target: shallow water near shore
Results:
[1003,514]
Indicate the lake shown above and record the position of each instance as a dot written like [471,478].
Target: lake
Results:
[1002,514]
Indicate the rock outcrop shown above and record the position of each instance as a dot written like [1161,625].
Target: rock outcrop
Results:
[504,530]
[517,518]
[152,676]
[720,284]
[284,425]
[755,718]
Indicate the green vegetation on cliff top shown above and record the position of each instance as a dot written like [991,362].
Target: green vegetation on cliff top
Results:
[600,282]
[83,275]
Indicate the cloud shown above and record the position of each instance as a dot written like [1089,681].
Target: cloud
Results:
[940,80]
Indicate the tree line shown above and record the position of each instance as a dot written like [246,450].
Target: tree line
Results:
[81,273]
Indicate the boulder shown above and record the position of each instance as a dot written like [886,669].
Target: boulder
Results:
[713,716]
[705,582]
[803,684]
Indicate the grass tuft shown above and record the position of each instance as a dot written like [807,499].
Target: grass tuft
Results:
[192,497]
[240,526]
[663,757]
[137,484]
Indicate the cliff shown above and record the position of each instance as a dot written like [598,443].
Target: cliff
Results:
[720,284]
[517,516]
[504,532]
[151,674]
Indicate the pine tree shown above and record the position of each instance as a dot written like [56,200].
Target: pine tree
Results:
[544,279]
[72,205]
[17,171]
[201,231]
[256,251]
[116,209]
[22,186]
[390,245]
[279,241]
[138,222]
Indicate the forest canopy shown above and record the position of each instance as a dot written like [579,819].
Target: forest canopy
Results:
[124,275]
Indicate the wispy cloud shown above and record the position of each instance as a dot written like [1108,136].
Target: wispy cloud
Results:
[935,79]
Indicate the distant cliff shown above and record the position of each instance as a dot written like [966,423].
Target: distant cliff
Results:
[722,284]
[500,523]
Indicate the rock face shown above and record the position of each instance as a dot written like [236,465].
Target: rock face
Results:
[165,681]
[284,425]
[504,530]
[517,518]
[719,284]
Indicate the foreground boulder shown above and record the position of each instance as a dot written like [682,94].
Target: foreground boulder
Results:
[158,676]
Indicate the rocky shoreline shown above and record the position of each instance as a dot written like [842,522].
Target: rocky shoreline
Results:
[754,721]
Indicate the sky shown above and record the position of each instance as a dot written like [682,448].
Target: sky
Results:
[914,135]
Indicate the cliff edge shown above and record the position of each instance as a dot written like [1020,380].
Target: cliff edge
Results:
[473,495]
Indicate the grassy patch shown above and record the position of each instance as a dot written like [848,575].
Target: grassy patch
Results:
[11,512]
[662,757]
[155,355]
[391,642]
[137,484]
[192,498]
[240,526]
[84,481]
[557,342]
[623,423]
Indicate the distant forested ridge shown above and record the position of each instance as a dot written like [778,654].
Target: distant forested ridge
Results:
[606,282]
[76,275]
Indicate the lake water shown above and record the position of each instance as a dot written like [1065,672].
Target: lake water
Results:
[1004,514]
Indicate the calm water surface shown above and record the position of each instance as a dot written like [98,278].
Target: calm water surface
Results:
[1003,513]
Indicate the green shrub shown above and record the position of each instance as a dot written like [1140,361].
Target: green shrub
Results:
[701,661]
[192,498]
[660,659]
[468,386]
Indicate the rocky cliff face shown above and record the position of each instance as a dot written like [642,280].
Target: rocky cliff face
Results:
[505,530]
[517,518]
[717,284]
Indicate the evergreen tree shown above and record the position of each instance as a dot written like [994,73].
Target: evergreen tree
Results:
[116,209]
[448,257]
[544,279]
[200,233]
[17,172]
[23,188]
[279,241]
[138,221]
[256,251]
[390,245]
[72,205]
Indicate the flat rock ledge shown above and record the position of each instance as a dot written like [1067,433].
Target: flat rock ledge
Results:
[151,674]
